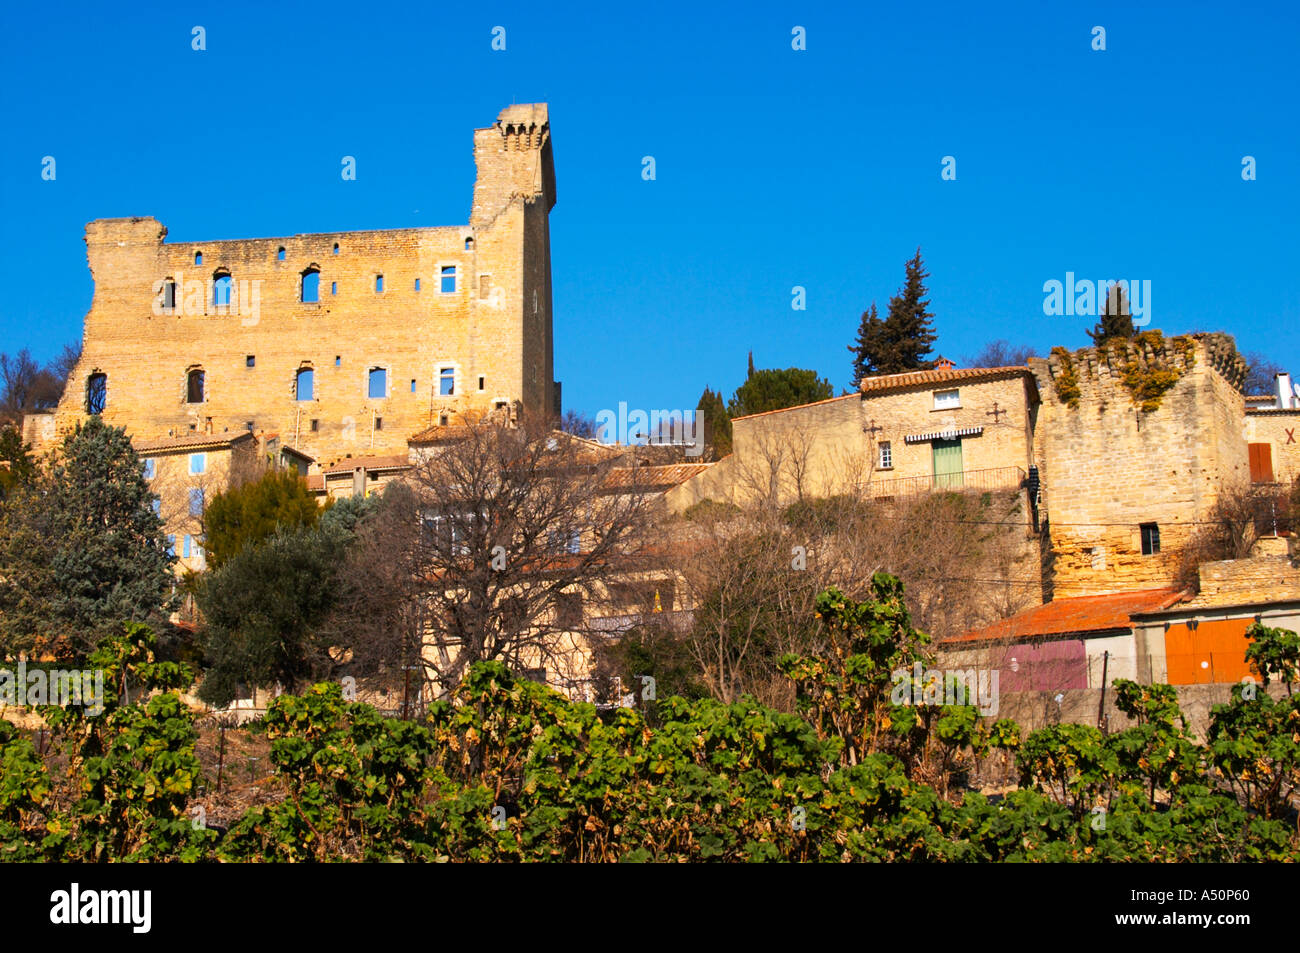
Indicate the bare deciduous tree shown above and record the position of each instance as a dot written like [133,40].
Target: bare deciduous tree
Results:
[485,548]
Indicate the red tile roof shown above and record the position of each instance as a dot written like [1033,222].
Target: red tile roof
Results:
[653,477]
[940,375]
[397,461]
[1076,614]
[193,440]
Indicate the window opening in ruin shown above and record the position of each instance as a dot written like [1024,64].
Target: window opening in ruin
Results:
[221,287]
[96,393]
[481,382]
[446,381]
[1150,539]
[305,383]
[469,244]
[379,284]
[279,255]
[315,425]
[250,361]
[448,279]
[412,385]
[334,287]
[310,286]
[169,295]
[336,248]
[198,258]
[417,284]
[378,381]
[194,386]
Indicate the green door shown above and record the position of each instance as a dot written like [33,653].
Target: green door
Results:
[947,464]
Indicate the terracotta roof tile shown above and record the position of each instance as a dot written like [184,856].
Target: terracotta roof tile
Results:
[942,375]
[194,440]
[1075,614]
[397,461]
[654,477]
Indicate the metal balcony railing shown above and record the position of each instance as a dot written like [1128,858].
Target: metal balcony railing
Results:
[995,478]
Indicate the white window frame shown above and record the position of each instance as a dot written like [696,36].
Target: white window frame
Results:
[885,455]
[941,404]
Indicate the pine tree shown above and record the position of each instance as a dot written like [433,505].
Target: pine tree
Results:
[773,389]
[1116,319]
[82,550]
[751,366]
[870,341]
[904,339]
[717,425]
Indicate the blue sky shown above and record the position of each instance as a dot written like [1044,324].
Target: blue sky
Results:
[775,168]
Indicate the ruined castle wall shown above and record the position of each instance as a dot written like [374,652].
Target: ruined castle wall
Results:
[1110,466]
[252,350]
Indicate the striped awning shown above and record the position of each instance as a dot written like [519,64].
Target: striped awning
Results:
[950,434]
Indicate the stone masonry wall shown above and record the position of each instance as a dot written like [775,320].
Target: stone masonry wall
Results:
[1109,466]
[492,330]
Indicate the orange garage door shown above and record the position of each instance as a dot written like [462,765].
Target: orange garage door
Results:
[1212,652]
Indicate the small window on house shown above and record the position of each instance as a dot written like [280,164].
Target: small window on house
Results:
[336,248]
[446,381]
[469,244]
[448,279]
[482,382]
[886,455]
[169,295]
[187,546]
[96,393]
[171,545]
[150,468]
[484,285]
[198,258]
[221,289]
[305,383]
[196,501]
[250,361]
[156,506]
[377,383]
[194,386]
[310,286]
[198,463]
[1150,539]
[315,425]
[379,284]
[568,610]
[945,399]
[417,284]
[443,420]
[379,423]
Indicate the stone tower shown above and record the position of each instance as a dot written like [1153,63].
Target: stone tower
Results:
[1135,441]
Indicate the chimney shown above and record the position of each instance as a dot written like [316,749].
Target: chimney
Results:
[943,364]
[1285,398]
